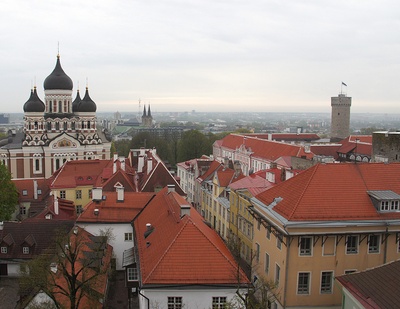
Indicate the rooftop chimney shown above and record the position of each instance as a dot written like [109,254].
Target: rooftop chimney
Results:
[120,194]
[185,210]
[140,163]
[115,158]
[1,225]
[122,160]
[96,211]
[149,165]
[171,188]
[97,194]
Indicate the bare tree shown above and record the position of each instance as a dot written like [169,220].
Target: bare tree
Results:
[73,273]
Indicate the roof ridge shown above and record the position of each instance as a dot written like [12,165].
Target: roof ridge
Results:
[304,190]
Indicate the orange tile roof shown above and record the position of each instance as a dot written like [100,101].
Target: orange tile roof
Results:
[28,185]
[227,176]
[215,165]
[265,149]
[112,211]
[363,145]
[181,250]
[334,192]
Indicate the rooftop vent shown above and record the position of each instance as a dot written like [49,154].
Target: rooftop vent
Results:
[171,188]
[96,212]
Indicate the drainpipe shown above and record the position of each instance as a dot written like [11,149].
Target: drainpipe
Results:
[286,271]
[385,250]
[148,300]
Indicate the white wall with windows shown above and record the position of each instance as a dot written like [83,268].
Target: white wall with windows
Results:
[119,239]
[187,298]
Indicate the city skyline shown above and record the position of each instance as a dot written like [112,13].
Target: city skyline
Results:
[206,56]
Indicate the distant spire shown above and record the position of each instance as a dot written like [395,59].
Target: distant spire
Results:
[148,111]
[58,49]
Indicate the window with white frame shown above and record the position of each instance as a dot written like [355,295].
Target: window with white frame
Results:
[373,243]
[79,209]
[132,274]
[128,236]
[218,302]
[25,250]
[3,250]
[303,283]
[266,267]
[384,205]
[394,205]
[277,274]
[78,194]
[62,194]
[278,242]
[326,282]
[257,252]
[25,192]
[305,245]
[22,210]
[174,302]
[352,244]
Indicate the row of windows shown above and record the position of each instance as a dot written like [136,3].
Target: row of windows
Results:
[176,302]
[78,194]
[25,250]
[304,283]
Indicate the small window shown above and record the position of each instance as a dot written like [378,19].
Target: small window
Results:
[384,205]
[305,245]
[90,193]
[257,253]
[266,268]
[303,284]
[174,302]
[78,194]
[62,194]
[128,236]
[277,274]
[352,244]
[39,191]
[373,243]
[394,205]
[349,271]
[218,302]
[268,232]
[278,242]
[22,210]
[79,209]
[326,282]
[25,250]
[24,192]
[132,274]
[3,249]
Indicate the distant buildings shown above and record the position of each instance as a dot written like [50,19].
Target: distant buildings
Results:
[55,131]
[386,146]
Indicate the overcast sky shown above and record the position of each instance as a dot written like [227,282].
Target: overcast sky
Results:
[206,55]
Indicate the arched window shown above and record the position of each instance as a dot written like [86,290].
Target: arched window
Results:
[65,126]
[50,106]
[57,126]
[73,125]
[88,124]
[49,126]
[59,106]
[36,125]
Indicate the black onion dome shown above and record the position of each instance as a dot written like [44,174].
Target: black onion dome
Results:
[76,102]
[87,105]
[58,79]
[34,104]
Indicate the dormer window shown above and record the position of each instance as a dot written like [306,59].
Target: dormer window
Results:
[4,250]
[385,200]
[25,250]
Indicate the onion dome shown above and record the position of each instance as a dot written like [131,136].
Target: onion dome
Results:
[34,104]
[76,102]
[58,79]
[87,105]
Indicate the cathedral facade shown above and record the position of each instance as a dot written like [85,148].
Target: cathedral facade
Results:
[55,131]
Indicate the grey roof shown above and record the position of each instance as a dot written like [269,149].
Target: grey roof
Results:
[128,257]
[34,104]
[87,104]
[377,287]
[384,194]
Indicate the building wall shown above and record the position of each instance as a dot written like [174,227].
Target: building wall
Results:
[117,239]
[386,147]
[327,255]
[191,298]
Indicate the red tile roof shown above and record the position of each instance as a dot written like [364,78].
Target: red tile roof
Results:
[261,148]
[286,136]
[79,172]
[226,176]
[326,150]
[215,165]
[375,288]
[111,211]
[28,186]
[363,143]
[255,183]
[181,250]
[334,192]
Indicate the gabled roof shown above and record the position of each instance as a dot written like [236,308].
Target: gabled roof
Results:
[226,176]
[286,136]
[22,233]
[122,178]
[264,149]
[66,209]
[334,192]
[181,250]
[159,177]
[79,173]
[111,211]
[330,150]
[26,189]
[375,288]
[215,165]
[254,183]
[360,144]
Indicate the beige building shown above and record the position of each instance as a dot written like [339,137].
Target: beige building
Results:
[329,220]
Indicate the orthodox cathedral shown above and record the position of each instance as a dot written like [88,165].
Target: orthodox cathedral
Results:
[55,131]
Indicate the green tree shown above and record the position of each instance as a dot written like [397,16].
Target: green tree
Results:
[193,144]
[8,194]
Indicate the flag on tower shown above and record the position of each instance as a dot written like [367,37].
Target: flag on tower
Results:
[344,84]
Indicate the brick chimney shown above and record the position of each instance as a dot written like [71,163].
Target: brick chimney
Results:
[97,194]
[185,210]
